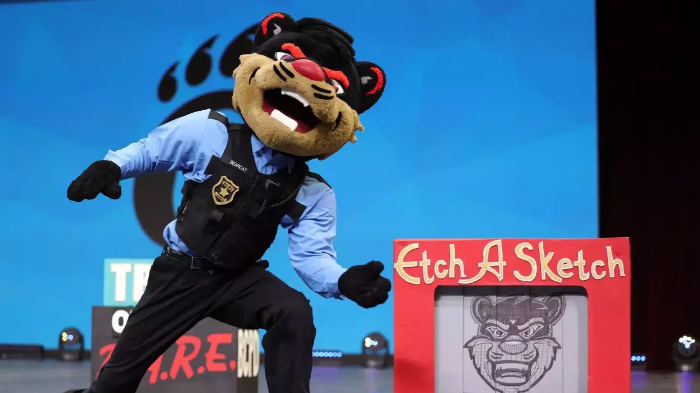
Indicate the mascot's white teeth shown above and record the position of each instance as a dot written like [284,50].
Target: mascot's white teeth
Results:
[295,95]
[284,119]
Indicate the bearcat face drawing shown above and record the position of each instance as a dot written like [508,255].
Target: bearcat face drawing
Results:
[514,347]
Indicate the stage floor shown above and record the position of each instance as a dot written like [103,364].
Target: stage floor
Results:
[56,377]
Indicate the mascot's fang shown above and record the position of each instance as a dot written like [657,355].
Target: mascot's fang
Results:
[295,95]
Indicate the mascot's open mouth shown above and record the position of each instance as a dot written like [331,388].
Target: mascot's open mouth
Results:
[289,108]
[511,373]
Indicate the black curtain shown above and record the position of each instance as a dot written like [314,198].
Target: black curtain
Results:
[649,161]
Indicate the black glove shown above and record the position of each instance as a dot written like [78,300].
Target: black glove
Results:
[363,284]
[100,177]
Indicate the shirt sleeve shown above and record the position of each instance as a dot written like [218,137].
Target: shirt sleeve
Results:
[169,148]
[311,251]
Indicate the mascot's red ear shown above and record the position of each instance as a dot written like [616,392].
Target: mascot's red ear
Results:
[272,25]
[372,83]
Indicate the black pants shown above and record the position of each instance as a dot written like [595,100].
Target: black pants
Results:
[177,297]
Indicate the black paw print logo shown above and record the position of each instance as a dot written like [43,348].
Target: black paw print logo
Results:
[153,194]
[199,67]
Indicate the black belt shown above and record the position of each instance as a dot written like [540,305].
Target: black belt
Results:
[201,263]
[196,263]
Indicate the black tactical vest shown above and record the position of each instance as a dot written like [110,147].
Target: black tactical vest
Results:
[233,216]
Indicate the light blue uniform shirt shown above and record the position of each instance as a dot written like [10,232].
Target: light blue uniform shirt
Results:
[187,144]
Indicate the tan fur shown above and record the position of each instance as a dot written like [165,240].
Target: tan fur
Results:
[321,141]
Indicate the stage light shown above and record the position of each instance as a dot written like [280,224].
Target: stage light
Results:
[71,345]
[638,358]
[327,354]
[327,358]
[686,354]
[639,362]
[375,351]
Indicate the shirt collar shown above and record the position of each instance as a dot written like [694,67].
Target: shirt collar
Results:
[257,145]
[279,160]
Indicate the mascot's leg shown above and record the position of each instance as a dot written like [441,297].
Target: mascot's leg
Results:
[175,299]
[259,300]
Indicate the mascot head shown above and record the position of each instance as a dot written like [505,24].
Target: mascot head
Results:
[301,90]
[514,346]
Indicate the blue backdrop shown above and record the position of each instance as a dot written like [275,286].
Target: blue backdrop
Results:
[487,129]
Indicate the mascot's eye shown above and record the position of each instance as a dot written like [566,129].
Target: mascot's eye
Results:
[496,332]
[283,56]
[530,331]
[339,91]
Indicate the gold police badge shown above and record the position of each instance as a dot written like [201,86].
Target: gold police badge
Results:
[223,191]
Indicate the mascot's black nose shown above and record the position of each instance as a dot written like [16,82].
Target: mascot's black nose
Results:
[512,347]
[309,69]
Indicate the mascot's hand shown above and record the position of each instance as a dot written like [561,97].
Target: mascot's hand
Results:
[363,284]
[100,177]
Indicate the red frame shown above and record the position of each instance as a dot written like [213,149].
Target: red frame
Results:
[609,365]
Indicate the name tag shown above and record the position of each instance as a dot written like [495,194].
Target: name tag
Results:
[237,165]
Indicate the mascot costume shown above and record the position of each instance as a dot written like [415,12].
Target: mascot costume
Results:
[300,94]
